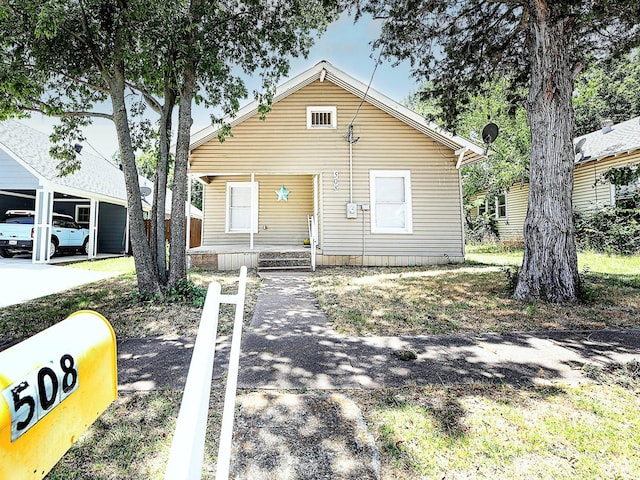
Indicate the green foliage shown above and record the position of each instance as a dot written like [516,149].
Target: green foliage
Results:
[184,292]
[509,155]
[511,274]
[622,176]
[187,292]
[609,89]
[610,230]
[480,228]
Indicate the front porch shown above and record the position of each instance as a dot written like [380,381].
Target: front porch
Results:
[263,257]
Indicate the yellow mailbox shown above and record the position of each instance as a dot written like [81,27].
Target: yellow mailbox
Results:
[52,387]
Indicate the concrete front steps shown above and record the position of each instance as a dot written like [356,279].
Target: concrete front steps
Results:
[299,259]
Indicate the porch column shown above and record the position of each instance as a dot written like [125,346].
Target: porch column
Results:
[93,229]
[42,226]
[188,219]
[253,227]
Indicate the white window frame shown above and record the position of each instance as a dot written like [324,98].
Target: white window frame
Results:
[254,208]
[497,200]
[408,212]
[492,209]
[322,109]
[77,216]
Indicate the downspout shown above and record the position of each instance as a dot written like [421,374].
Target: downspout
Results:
[460,154]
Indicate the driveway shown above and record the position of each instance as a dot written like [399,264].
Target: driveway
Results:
[21,280]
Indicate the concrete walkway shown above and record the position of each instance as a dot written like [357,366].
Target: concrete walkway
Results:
[289,344]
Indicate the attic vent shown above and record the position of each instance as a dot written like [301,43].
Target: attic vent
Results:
[607,125]
[321,117]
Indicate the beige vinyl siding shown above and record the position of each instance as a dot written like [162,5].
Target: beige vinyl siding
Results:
[285,221]
[510,228]
[282,145]
[589,190]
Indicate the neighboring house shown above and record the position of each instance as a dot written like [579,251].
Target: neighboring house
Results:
[95,195]
[385,191]
[611,146]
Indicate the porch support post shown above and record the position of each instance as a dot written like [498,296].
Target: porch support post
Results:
[42,225]
[92,247]
[253,227]
[188,219]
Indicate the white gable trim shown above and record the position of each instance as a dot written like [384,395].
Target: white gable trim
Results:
[328,72]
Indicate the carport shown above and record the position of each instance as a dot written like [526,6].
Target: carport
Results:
[95,195]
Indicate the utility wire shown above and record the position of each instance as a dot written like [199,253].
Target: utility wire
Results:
[349,135]
[94,149]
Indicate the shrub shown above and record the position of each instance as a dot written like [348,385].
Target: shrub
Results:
[611,230]
[481,229]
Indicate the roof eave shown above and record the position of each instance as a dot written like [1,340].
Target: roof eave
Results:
[360,90]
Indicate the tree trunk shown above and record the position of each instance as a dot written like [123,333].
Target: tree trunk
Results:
[161,186]
[145,268]
[550,266]
[177,257]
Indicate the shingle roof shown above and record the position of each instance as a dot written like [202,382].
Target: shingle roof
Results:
[623,137]
[96,175]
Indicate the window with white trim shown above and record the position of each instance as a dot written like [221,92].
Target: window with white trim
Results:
[495,206]
[242,207]
[390,201]
[321,117]
[501,206]
[83,214]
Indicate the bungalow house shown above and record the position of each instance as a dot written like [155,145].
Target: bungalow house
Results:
[95,195]
[612,146]
[361,178]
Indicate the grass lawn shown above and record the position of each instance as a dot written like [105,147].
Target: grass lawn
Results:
[471,431]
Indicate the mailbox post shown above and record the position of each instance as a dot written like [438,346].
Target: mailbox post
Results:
[52,387]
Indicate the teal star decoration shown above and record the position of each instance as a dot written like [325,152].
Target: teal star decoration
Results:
[283,193]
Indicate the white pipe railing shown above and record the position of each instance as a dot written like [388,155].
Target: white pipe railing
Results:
[312,221]
[187,446]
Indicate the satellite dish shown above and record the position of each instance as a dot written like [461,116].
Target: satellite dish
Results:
[490,133]
[578,148]
[144,191]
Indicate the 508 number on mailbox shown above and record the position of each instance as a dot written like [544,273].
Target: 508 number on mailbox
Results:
[31,398]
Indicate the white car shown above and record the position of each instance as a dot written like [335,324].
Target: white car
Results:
[17,230]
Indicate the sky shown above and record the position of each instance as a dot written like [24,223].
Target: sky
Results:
[344,44]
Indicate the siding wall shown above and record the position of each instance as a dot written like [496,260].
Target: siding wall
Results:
[14,176]
[279,222]
[8,202]
[112,222]
[587,195]
[511,226]
[282,145]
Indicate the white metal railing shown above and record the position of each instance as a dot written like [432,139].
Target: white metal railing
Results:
[312,222]
[187,447]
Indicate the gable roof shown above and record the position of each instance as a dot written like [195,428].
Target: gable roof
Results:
[466,150]
[623,138]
